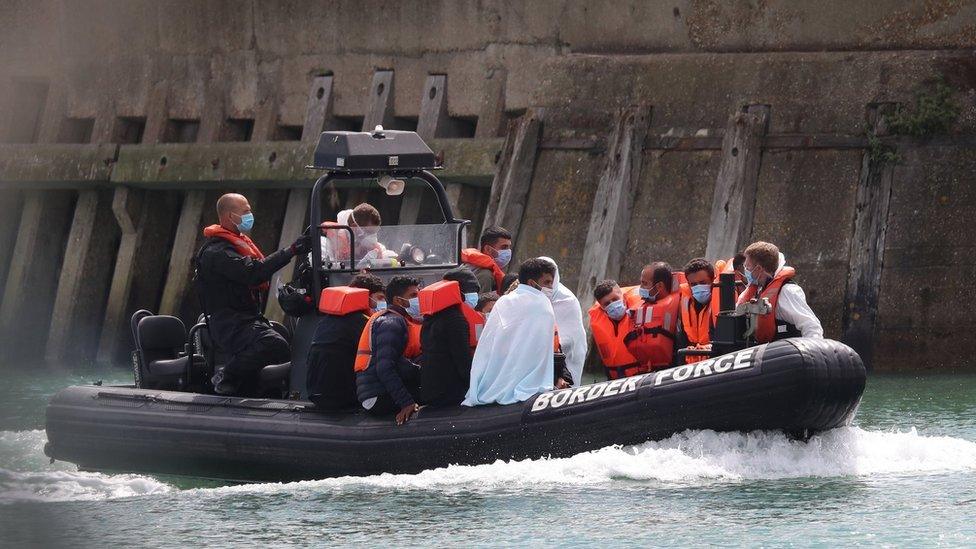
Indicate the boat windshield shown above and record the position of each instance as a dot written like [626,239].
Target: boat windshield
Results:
[388,247]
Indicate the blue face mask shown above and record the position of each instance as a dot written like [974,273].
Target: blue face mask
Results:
[504,256]
[471,298]
[702,293]
[247,222]
[414,308]
[380,306]
[749,278]
[646,294]
[616,309]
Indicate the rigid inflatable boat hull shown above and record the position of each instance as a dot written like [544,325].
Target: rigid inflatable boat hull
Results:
[798,386]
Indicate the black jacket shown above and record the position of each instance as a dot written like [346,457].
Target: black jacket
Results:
[331,380]
[227,282]
[389,372]
[446,370]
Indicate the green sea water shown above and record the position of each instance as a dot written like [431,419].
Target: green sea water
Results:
[903,475]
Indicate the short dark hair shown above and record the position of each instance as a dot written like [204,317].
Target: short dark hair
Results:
[739,261]
[466,279]
[491,235]
[368,281]
[507,282]
[364,213]
[700,264]
[484,299]
[661,272]
[604,288]
[398,285]
[532,269]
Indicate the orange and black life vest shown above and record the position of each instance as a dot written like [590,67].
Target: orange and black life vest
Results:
[769,327]
[447,293]
[651,339]
[365,352]
[609,338]
[481,260]
[242,244]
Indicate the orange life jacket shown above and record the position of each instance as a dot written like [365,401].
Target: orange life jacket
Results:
[697,323]
[476,258]
[342,300]
[242,244]
[651,339]
[609,338]
[365,351]
[766,330]
[447,293]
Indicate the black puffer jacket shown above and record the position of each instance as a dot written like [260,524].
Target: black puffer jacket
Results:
[331,380]
[446,371]
[389,372]
[227,281]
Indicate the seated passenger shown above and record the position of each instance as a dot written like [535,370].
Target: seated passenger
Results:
[387,377]
[365,221]
[486,302]
[232,277]
[769,276]
[488,262]
[377,292]
[331,379]
[514,358]
[610,325]
[699,309]
[569,326]
[654,312]
[469,294]
[445,338]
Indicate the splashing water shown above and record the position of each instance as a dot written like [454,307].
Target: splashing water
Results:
[690,458]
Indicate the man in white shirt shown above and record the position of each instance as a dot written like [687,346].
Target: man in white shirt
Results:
[768,276]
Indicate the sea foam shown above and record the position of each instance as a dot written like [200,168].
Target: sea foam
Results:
[689,458]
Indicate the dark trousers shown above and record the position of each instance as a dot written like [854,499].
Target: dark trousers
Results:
[243,369]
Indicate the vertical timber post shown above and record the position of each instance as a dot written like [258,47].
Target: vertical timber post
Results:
[180,269]
[379,101]
[433,122]
[516,167]
[868,243]
[318,115]
[44,222]
[492,112]
[86,271]
[734,202]
[132,220]
[606,237]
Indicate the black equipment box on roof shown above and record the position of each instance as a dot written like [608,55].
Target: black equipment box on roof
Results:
[376,151]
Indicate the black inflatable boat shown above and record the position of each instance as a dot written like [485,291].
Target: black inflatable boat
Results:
[799,386]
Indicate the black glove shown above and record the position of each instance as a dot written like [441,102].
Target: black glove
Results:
[302,245]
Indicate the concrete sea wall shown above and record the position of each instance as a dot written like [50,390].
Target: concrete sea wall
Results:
[606,134]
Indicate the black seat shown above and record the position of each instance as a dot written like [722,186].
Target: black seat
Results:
[274,380]
[163,360]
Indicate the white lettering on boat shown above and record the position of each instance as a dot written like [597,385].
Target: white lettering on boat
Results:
[588,393]
[719,365]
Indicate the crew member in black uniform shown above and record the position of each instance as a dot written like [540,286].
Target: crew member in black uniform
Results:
[233,278]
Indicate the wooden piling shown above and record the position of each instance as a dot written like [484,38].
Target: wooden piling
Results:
[516,166]
[734,202]
[606,236]
[868,243]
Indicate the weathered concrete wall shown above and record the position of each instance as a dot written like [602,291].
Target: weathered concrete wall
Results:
[172,81]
